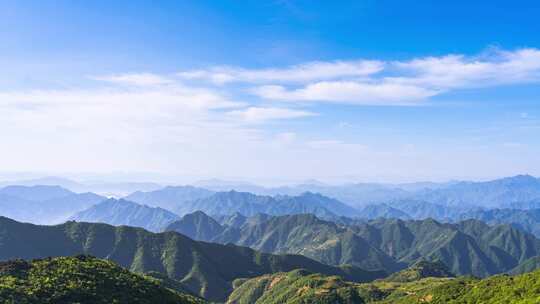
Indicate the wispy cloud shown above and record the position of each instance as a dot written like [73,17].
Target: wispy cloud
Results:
[138,79]
[311,71]
[377,82]
[497,67]
[260,114]
[349,92]
[123,100]
[125,121]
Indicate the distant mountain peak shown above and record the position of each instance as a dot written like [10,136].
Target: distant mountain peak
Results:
[124,212]
[522,179]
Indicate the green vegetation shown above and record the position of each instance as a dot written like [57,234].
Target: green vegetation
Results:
[205,269]
[197,226]
[307,235]
[297,286]
[304,287]
[497,289]
[420,270]
[525,220]
[80,279]
[468,248]
[301,286]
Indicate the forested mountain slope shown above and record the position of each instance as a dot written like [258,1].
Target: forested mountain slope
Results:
[81,279]
[206,269]
[468,247]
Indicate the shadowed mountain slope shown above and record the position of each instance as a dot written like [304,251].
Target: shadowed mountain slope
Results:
[468,247]
[206,269]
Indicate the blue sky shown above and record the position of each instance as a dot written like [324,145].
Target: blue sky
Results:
[271,90]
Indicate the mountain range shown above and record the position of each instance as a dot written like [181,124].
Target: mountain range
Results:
[43,204]
[468,248]
[227,203]
[170,198]
[527,220]
[487,194]
[116,189]
[442,201]
[205,269]
[125,213]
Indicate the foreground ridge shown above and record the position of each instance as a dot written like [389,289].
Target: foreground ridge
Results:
[301,286]
[81,279]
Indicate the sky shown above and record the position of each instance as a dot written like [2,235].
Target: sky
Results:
[271,91]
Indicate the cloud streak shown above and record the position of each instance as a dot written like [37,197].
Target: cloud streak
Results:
[301,73]
[349,92]
[260,114]
[136,79]
[376,82]
[210,121]
[458,71]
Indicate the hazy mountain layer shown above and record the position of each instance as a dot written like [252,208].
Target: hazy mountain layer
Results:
[115,189]
[170,198]
[226,203]
[43,204]
[491,194]
[123,212]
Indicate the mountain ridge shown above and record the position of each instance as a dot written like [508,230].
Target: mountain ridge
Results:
[206,269]
[468,247]
[123,212]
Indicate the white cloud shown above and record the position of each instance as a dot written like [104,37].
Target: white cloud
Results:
[458,71]
[349,92]
[122,116]
[152,122]
[171,128]
[121,100]
[260,114]
[369,82]
[137,79]
[311,71]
